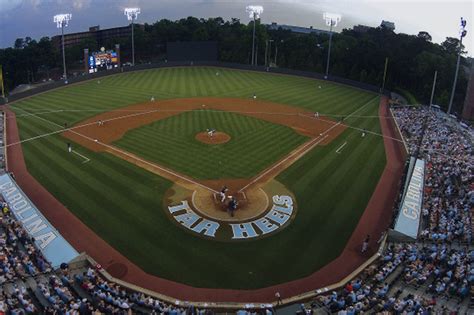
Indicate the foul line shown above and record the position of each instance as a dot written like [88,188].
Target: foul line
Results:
[352,114]
[71,128]
[128,154]
[150,163]
[338,151]
[185,110]
[144,112]
[308,146]
[82,156]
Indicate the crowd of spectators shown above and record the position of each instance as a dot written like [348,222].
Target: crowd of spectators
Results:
[447,149]
[433,269]
[445,272]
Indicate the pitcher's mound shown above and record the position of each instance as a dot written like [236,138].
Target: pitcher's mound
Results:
[217,138]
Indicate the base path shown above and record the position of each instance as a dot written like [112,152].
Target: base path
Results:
[99,132]
[376,218]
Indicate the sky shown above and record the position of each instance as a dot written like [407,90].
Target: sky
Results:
[34,18]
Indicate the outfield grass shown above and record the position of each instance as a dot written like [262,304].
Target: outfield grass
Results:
[255,144]
[111,195]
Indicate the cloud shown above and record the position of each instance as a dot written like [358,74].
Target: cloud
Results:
[7,5]
[81,4]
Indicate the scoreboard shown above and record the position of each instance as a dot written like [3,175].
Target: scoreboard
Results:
[102,60]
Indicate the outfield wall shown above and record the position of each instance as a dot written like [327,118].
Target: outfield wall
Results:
[236,66]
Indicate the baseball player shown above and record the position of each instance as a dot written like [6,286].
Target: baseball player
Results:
[222,193]
[210,132]
[69,147]
[152,99]
[363,133]
[365,244]
[316,115]
[232,206]
[254,96]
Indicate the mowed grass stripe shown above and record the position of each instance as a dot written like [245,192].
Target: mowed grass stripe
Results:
[329,177]
[161,247]
[180,150]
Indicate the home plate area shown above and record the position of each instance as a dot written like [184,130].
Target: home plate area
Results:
[258,211]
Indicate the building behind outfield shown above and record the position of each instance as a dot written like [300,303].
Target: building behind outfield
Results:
[95,33]
[468,109]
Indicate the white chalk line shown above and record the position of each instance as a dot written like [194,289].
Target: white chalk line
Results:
[141,112]
[358,128]
[130,155]
[338,151]
[360,108]
[151,164]
[311,144]
[86,159]
[71,128]
[185,110]
[306,149]
[144,112]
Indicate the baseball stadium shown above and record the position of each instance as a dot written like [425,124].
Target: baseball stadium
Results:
[201,184]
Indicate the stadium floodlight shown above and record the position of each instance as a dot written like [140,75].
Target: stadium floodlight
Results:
[132,15]
[62,20]
[462,34]
[254,12]
[331,20]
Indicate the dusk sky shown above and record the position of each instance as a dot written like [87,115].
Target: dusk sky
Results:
[34,18]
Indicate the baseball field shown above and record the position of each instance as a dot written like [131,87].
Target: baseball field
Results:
[145,175]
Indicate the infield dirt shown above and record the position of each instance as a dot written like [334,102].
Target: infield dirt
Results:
[99,132]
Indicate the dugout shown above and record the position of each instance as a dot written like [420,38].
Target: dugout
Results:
[192,51]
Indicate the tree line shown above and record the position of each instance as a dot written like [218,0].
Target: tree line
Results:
[359,56]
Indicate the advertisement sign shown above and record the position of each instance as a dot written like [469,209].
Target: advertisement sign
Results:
[47,239]
[408,220]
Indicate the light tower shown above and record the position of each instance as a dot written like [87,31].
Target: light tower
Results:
[462,34]
[61,21]
[132,15]
[331,21]
[254,12]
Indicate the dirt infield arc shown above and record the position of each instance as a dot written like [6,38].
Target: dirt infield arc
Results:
[375,219]
[111,126]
